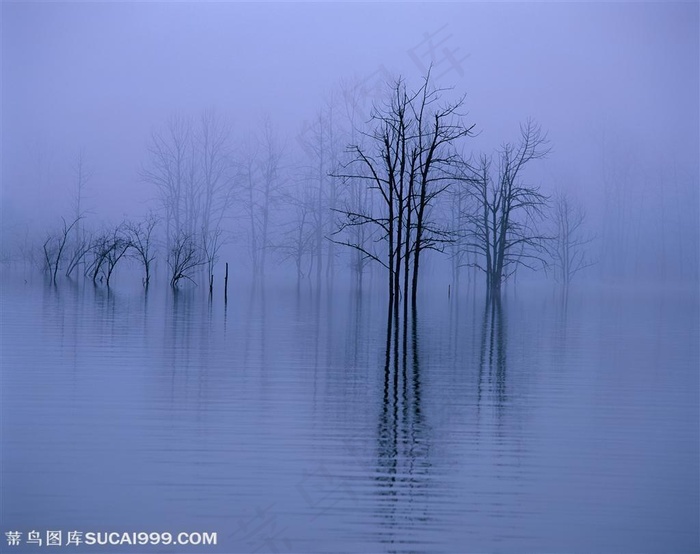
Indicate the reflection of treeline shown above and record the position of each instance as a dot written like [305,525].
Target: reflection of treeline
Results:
[388,189]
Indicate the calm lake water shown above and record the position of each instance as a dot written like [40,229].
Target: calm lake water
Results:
[277,424]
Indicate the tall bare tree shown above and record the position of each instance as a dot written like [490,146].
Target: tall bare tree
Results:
[54,248]
[191,166]
[184,258]
[108,248]
[297,237]
[569,246]
[319,141]
[407,163]
[502,221]
[170,168]
[261,181]
[141,236]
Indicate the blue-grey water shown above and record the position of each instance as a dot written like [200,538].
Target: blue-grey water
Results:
[276,422]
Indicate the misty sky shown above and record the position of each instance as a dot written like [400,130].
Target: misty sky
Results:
[98,77]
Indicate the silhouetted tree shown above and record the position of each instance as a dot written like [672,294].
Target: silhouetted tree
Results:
[502,220]
[407,162]
[120,245]
[108,248]
[140,236]
[80,249]
[54,247]
[184,257]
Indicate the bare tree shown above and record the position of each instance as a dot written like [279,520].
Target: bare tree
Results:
[211,244]
[171,168]
[54,247]
[120,245]
[261,182]
[108,248]
[215,158]
[191,165]
[502,231]
[354,194]
[459,255]
[81,248]
[100,246]
[568,249]
[215,161]
[270,184]
[408,164]
[184,257]
[297,239]
[321,141]
[250,202]
[439,129]
[140,236]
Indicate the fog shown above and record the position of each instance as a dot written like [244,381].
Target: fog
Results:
[354,277]
[614,86]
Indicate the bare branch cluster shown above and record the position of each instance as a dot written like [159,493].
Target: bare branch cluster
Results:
[406,163]
[502,214]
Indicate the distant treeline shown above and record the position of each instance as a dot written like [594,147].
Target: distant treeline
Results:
[383,185]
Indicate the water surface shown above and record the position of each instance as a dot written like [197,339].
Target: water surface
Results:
[276,422]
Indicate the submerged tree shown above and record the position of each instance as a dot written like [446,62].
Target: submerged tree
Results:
[140,236]
[297,238]
[80,249]
[108,248]
[568,251]
[191,165]
[407,163]
[503,215]
[54,247]
[260,184]
[80,245]
[184,257]
[120,245]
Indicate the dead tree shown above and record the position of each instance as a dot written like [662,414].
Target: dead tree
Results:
[215,161]
[568,248]
[81,242]
[191,165]
[297,238]
[140,236]
[407,163]
[54,247]
[211,244]
[184,258]
[81,248]
[108,248]
[120,245]
[439,129]
[171,168]
[502,224]
[261,182]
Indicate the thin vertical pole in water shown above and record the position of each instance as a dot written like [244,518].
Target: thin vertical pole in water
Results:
[211,285]
[226,285]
